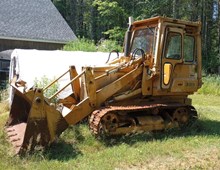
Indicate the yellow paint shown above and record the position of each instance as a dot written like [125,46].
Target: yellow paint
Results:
[167,73]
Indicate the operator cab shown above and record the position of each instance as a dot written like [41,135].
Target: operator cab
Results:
[175,49]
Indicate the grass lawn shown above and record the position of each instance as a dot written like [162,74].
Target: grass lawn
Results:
[197,147]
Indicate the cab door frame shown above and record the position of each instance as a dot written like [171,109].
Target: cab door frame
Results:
[168,63]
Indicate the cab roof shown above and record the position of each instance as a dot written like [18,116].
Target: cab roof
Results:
[162,19]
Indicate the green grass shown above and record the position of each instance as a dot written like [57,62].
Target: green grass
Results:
[4,94]
[4,106]
[197,147]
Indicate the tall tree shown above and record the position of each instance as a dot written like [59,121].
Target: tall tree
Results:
[97,19]
[176,8]
[219,29]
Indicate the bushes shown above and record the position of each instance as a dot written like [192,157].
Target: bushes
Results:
[211,85]
[89,46]
[108,46]
[43,82]
[81,45]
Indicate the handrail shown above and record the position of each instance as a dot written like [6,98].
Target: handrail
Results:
[45,88]
[79,75]
[110,71]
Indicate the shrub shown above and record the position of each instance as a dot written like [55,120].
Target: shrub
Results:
[108,46]
[43,82]
[211,85]
[81,45]
[89,46]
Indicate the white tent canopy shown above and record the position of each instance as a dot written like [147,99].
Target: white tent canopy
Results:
[30,65]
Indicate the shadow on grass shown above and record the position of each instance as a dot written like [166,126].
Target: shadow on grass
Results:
[77,134]
[199,128]
[61,151]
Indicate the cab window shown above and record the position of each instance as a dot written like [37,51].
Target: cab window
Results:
[173,46]
[144,39]
[189,46]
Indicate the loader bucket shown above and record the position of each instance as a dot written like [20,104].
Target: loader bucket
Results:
[32,121]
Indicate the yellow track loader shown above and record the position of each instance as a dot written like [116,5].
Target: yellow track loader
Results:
[145,89]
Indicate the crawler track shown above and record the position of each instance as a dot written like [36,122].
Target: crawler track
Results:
[128,126]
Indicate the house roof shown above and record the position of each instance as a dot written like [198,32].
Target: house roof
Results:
[35,20]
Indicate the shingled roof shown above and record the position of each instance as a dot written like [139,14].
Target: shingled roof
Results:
[34,20]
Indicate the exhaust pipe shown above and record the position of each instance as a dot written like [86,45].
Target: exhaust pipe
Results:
[128,35]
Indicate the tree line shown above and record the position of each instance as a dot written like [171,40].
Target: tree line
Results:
[107,19]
